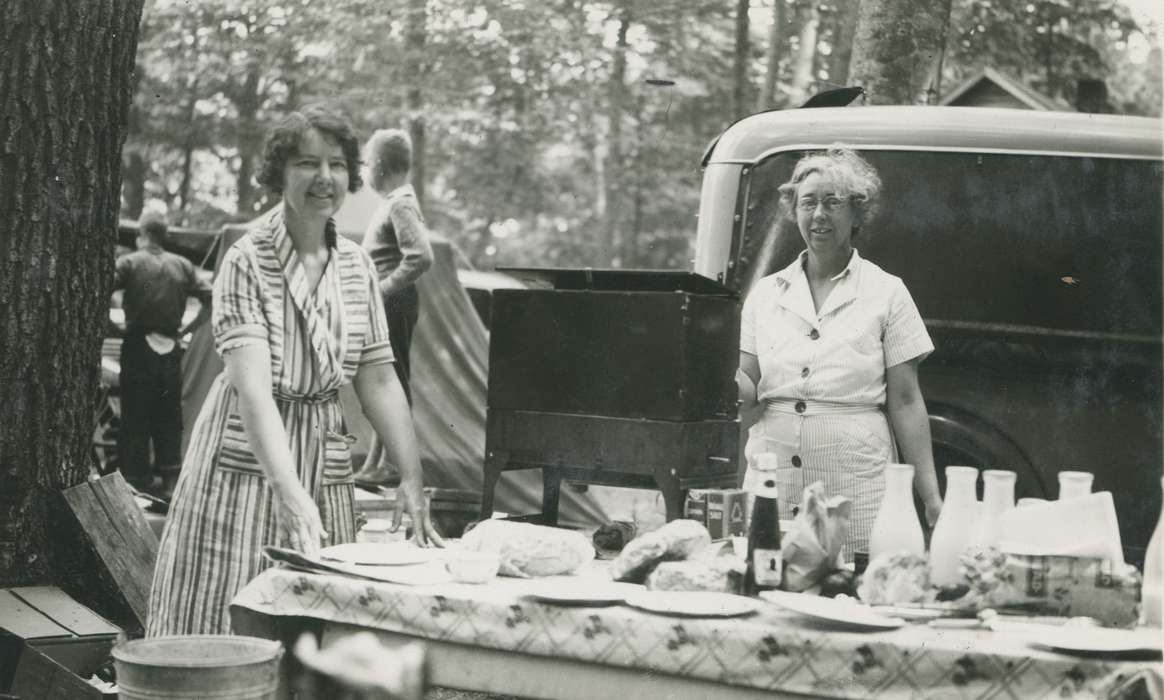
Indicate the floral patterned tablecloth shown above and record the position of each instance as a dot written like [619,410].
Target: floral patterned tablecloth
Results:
[768,649]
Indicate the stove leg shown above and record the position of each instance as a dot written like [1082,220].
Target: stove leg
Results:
[495,463]
[551,491]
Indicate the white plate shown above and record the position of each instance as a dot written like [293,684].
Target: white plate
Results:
[580,591]
[693,603]
[841,612]
[380,553]
[1097,640]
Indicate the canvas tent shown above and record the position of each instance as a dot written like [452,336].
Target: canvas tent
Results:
[449,365]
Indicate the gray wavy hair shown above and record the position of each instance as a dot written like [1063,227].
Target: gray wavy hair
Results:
[852,174]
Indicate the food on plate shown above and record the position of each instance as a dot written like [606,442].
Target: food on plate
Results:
[1051,585]
[839,582]
[895,578]
[526,550]
[676,540]
[713,568]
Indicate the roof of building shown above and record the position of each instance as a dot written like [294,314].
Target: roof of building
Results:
[1024,94]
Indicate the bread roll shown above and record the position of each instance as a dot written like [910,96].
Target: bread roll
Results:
[527,550]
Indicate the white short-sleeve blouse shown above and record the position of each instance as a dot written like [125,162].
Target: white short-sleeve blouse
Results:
[867,324]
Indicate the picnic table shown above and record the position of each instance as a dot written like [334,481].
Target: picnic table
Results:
[495,638]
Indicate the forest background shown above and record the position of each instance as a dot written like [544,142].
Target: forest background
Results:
[561,132]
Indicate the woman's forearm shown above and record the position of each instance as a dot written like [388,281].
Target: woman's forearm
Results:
[911,427]
[248,370]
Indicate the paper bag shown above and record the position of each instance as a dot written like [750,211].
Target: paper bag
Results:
[811,548]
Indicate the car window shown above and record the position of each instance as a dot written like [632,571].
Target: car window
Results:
[1070,243]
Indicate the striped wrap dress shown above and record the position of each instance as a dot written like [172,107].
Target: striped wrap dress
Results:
[823,383]
[222,515]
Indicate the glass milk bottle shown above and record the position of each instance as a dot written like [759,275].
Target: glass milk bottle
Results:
[1074,484]
[997,498]
[1152,594]
[955,525]
[897,526]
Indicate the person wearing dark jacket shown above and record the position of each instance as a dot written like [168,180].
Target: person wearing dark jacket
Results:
[156,286]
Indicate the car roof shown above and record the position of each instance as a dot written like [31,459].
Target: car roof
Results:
[962,129]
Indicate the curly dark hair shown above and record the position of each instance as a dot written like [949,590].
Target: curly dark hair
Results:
[283,143]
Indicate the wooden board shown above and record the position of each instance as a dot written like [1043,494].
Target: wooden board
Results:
[25,621]
[120,535]
[54,603]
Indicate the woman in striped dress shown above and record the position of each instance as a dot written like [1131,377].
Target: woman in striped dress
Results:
[296,314]
[829,348]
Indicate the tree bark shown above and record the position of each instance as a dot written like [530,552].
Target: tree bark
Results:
[133,187]
[775,52]
[249,139]
[615,165]
[740,64]
[895,46]
[65,83]
[415,41]
[802,77]
[844,26]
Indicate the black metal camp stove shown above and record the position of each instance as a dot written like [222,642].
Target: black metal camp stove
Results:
[613,377]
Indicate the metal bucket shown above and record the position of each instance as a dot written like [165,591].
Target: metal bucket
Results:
[198,667]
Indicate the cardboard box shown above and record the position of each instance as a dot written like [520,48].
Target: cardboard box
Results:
[725,513]
[47,621]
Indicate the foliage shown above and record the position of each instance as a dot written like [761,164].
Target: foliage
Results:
[535,152]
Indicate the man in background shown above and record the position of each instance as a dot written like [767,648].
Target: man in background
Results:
[156,286]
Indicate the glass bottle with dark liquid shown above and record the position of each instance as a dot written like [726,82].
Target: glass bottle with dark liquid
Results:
[765,563]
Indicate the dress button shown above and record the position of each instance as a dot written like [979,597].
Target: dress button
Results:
[814,334]
[796,460]
[800,406]
[804,372]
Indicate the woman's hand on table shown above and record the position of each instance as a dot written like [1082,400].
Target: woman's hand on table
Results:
[297,521]
[410,499]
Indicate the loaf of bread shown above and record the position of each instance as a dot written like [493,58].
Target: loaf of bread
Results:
[676,540]
[527,550]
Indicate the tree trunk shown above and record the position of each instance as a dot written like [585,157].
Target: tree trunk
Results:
[615,165]
[414,53]
[844,26]
[802,77]
[249,139]
[740,65]
[895,46]
[65,70]
[775,51]
[133,187]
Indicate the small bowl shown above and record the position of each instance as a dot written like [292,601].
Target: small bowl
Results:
[473,567]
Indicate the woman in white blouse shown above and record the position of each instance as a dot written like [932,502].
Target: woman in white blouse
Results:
[829,350]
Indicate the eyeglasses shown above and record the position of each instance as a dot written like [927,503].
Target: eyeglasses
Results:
[831,204]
